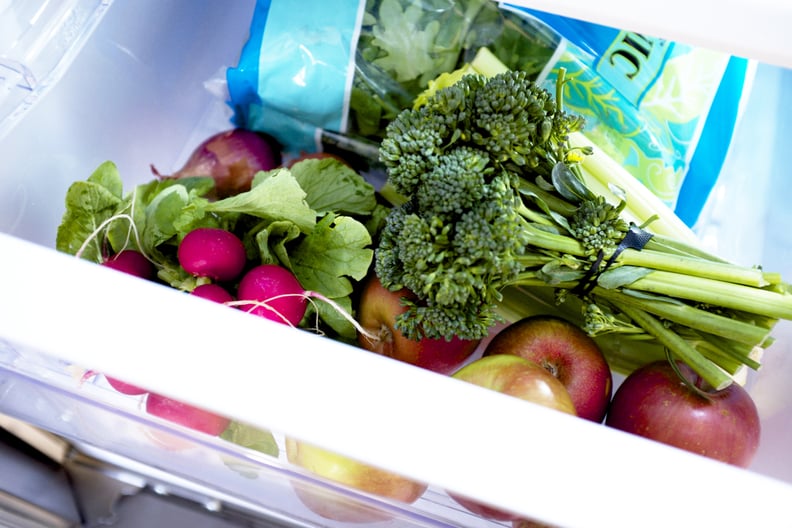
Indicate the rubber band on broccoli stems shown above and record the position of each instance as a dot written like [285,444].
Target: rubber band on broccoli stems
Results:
[310,296]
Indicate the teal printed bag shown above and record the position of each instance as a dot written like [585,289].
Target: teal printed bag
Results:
[664,110]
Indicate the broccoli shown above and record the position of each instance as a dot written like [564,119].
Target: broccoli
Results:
[493,202]
[458,159]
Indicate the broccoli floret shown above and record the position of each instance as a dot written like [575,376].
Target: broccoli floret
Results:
[455,183]
[598,226]
[518,121]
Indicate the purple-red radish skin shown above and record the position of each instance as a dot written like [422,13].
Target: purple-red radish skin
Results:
[131,262]
[267,281]
[213,253]
[213,292]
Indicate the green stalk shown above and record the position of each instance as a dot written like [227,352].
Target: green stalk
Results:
[554,242]
[678,346]
[647,258]
[677,247]
[719,293]
[689,316]
[487,64]
[728,351]
[534,216]
[555,203]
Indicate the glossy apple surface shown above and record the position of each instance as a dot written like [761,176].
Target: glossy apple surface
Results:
[377,313]
[521,378]
[186,415]
[349,472]
[565,351]
[654,402]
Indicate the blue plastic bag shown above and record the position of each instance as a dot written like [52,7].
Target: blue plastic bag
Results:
[665,111]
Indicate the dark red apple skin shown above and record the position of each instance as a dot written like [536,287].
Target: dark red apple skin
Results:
[377,312]
[568,353]
[655,403]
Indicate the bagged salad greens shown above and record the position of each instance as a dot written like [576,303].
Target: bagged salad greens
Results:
[664,110]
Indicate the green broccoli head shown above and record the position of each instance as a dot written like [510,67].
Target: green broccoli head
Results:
[517,121]
[459,237]
[453,258]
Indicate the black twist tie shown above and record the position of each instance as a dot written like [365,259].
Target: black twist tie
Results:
[635,238]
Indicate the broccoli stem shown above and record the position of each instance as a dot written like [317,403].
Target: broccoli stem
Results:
[649,258]
[679,347]
[695,318]
[690,316]
[487,64]
[735,296]
[678,247]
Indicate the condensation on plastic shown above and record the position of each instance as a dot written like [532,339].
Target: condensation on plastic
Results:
[39,39]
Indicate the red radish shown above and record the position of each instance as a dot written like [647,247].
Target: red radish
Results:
[124,387]
[132,262]
[213,292]
[232,158]
[275,293]
[212,252]
[186,415]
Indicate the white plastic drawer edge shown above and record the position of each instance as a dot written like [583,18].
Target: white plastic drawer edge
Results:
[312,388]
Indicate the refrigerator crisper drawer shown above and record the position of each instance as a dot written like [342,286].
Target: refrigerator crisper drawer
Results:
[143,91]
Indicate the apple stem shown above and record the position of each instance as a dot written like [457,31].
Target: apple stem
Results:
[690,385]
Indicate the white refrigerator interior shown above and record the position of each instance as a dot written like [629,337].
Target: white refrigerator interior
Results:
[146,87]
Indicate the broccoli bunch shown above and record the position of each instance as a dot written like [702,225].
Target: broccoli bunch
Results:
[458,160]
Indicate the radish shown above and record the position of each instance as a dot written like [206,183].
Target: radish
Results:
[186,415]
[213,253]
[272,292]
[213,292]
[132,262]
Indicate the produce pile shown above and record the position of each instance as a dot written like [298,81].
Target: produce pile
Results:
[497,219]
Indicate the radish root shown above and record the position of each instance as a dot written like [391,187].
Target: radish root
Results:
[132,232]
[311,296]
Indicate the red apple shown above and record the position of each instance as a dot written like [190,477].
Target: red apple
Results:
[521,378]
[378,310]
[124,387]
[348,472]
[186,415]
[565,351]
[654,402]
